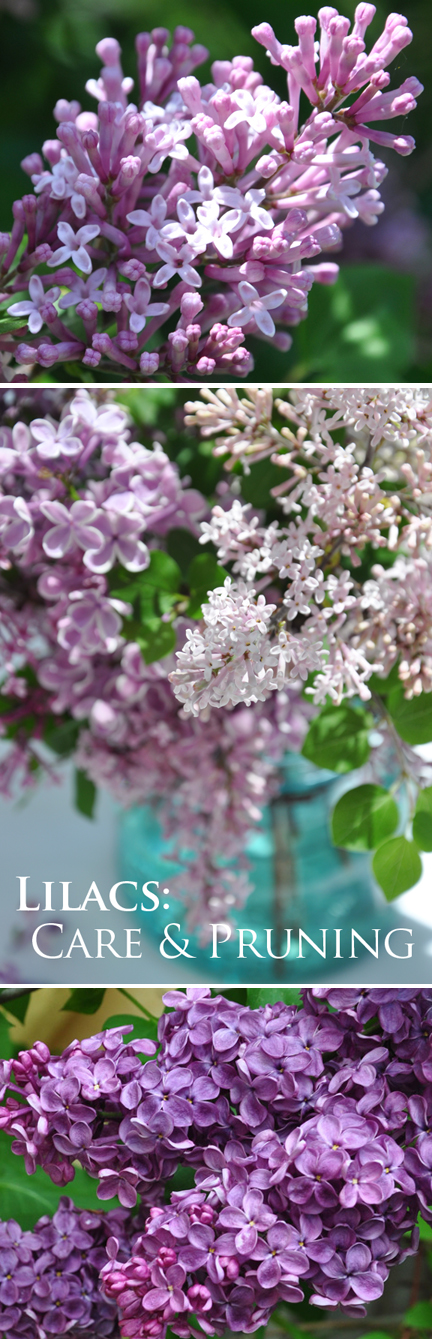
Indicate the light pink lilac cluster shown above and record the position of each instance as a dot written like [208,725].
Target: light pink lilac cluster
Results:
[210,778]
[177,225]
[293,606]
[308,1132]
[80,498]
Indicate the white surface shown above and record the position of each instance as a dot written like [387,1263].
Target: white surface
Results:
[45,838]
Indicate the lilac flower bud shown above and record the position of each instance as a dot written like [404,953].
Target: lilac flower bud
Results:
[108,51]
[66,111]
[48,354]
[149,363]
[32,163]
[133,269]
[191,304]
[91,358]
[206,366]
[51,150]
[88,312]
[178,344]
[129,169]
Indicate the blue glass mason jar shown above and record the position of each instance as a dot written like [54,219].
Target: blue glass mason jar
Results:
[302,886]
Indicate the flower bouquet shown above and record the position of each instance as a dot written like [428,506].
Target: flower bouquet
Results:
[176,616]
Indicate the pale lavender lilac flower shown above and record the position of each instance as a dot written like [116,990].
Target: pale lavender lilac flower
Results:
[240,222]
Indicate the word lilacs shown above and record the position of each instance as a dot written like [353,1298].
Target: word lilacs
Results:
[308,1132]
[320,619]
[177,225]
[81,501]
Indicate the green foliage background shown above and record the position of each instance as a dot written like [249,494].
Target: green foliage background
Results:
[370,326]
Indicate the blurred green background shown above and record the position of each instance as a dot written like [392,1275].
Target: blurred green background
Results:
[376,324]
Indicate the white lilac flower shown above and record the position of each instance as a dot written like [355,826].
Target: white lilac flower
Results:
[140,307]
[75,245]
[31,307]
[256,307]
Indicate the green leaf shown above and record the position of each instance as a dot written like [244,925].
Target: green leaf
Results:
[16,1007]
[10,323]
[359,329]
[84,1001]
[363,818]
[419,1317]
[26,1198]
[6,1045]
[153,593]
[397,866]
[146,408]
[287,1326]
[411,716]
[256,486]
[337,739]
[183,1179]
[163,573]
[237,993]
[376,1334]
[377,683]
[204,574]
[155,642]
[85,793]
[61,736]
[183,547]
[425,1229]
[143,1027]
[161,577]
[422,821]
[258,996]
[84,1191]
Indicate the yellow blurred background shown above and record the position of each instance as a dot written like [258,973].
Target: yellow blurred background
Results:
[46,1022]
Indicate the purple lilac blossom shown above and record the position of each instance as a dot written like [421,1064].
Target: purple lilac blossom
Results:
[309,1137]
[49,1277]
[218,197]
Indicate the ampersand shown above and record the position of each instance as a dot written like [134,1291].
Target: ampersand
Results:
[180,952]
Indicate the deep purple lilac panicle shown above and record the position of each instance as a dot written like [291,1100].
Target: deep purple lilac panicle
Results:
[176,225]
[309,1137]
[49,1278]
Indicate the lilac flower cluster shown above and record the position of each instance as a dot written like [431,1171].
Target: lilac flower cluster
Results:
[79,492]
[49,1278]
[336,499]
[308,1131]
[210,778]
[77,497]
[220,231]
